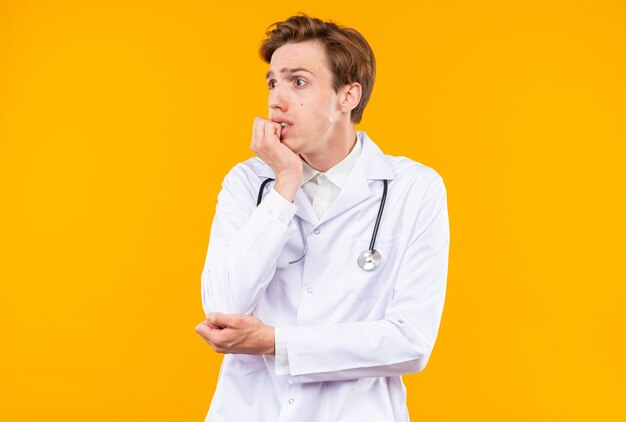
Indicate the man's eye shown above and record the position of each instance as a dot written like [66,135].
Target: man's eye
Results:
[271,84]
[300,82]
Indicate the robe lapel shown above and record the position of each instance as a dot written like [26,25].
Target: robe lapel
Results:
[305,209]
[371,165]
[355,191]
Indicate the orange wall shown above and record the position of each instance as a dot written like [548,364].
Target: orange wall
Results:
[118,120]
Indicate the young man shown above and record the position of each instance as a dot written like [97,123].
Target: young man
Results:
[330,289]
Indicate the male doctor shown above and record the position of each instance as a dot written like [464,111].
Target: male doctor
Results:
[327,292]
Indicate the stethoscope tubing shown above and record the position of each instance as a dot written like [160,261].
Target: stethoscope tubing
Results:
[260,197]
[380,214]
[302,235]
[371,249]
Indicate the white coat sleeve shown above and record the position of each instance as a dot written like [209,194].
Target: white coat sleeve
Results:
[402,341]
[244,245]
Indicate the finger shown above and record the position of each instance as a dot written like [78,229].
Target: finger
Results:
[211,335]
[213,326]
[219,319]
[272,132]
[257,132]
[203,330]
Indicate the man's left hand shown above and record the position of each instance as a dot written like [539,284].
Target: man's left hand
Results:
[236,333]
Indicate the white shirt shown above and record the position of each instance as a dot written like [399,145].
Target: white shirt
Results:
[323,188]
[350,334]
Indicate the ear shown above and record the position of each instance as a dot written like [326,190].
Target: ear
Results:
[350,97]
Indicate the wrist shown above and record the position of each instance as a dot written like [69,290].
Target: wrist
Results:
[270,342]
[287,184]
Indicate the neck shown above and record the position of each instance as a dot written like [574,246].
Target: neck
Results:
[335,151]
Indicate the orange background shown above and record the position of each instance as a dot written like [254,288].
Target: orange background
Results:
[119,119]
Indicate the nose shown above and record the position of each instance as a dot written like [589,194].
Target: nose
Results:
[278,99]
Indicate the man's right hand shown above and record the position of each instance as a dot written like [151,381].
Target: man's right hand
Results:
[286,164]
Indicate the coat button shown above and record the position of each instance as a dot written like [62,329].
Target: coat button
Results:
[316,231]
[310,290]
[291,401]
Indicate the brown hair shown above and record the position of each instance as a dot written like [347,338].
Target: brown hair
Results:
[349,56]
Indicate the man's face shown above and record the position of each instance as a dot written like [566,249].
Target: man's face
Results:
[301,94]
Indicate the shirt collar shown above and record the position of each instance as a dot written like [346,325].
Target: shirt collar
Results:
[308,172]
[339,172]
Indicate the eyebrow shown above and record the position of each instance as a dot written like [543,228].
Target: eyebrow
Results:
[287,70]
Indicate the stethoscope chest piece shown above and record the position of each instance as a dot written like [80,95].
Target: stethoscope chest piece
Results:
[369,259]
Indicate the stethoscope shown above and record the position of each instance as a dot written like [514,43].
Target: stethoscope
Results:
[369,258]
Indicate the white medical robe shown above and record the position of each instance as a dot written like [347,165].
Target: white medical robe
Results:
[350,333]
